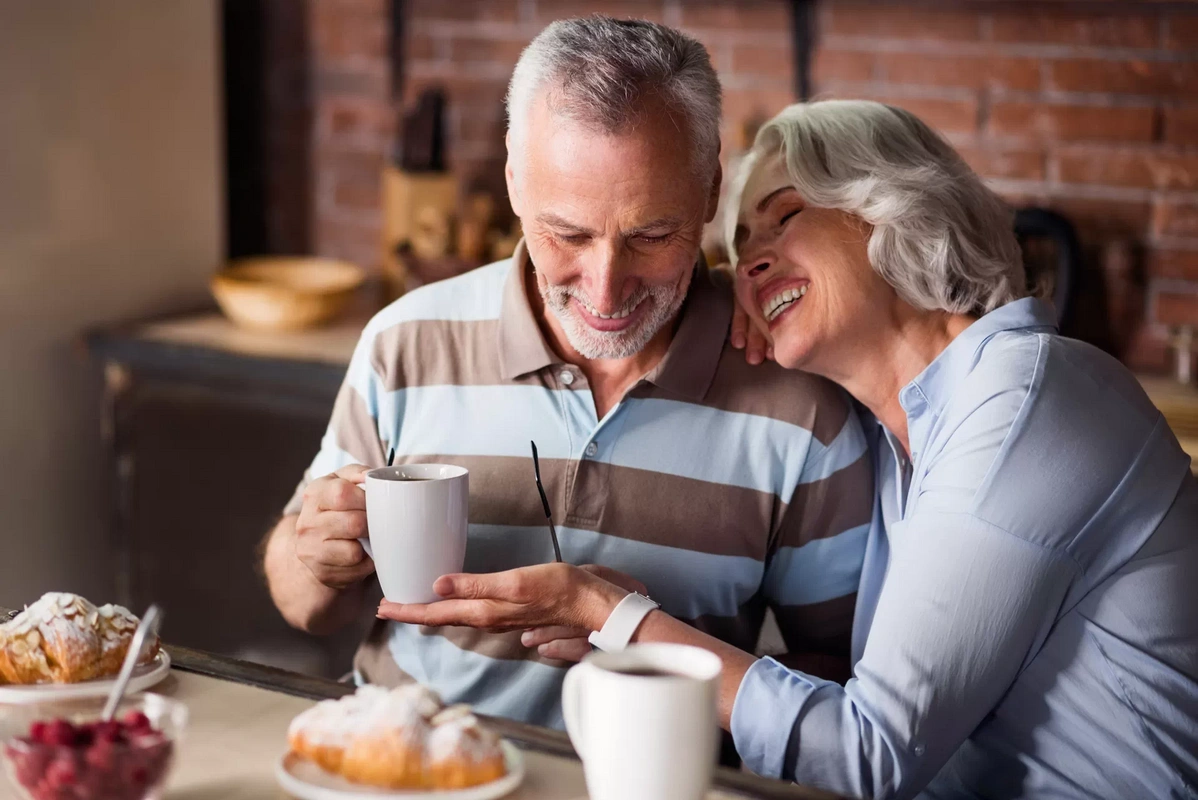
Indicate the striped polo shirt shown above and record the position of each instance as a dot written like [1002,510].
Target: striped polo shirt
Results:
[725,488]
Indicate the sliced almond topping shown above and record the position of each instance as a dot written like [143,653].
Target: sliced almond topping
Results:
[452,714]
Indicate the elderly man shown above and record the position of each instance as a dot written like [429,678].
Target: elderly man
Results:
[725,489]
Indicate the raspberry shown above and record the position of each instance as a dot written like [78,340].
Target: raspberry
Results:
[30,763]
[44,791]
[100,755]
[27,770]
[108,732]
[137,721]
[60,733]
[37,732]
[62,772]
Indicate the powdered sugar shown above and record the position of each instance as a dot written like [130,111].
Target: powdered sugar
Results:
[457,733]
[46,617]
[414,711]
[63,638]
[371,708]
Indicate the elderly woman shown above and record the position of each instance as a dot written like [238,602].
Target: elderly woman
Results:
[1026,623]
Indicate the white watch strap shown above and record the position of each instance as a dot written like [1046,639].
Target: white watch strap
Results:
[625,618]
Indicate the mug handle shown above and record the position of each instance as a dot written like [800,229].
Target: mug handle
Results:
[572,704]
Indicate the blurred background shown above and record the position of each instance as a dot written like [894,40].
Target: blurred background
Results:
[149,440]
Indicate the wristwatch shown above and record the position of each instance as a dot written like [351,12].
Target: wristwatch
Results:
[622,623]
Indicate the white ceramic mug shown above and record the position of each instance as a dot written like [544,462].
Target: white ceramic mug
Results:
[416,519]
[645,736]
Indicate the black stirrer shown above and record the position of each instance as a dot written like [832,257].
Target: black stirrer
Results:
[536,466]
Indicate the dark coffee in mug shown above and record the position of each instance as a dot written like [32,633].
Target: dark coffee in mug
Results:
[647,672]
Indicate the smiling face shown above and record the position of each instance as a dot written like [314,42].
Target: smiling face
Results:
[613,225]
[803,273]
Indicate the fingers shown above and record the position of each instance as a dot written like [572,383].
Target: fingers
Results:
[755,349]
[535,637]
[408,613]
[566,649]
[334,562]
[334,525]
[535,584]
[740,326]
[354,473]
[339,553]
[335,493]
[470,613]
[492,586]
[340,577]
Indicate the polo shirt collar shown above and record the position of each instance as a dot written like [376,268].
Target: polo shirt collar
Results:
[689,365]
[934,386]
[522,346]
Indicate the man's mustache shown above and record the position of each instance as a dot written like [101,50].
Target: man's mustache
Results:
[558,295]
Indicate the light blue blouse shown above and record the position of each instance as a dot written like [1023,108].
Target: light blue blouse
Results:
[1027,622]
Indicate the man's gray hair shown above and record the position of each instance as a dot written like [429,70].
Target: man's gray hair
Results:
[605,73]
[940,237]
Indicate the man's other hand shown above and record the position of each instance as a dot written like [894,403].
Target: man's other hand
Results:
[330,523]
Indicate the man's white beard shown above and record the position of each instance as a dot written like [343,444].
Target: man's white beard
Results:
[664,303]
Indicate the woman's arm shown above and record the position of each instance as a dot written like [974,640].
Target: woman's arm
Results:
[963,606]
[561,596]
[661,627]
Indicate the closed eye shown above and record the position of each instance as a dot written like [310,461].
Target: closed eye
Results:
[654,239]
[787,216]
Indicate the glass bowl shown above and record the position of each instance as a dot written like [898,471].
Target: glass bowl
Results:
[47,759]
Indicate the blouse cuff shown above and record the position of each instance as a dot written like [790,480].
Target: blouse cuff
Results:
[764,714]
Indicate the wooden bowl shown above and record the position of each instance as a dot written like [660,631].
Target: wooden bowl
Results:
[280,293]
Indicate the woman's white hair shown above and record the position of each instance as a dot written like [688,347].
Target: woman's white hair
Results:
[940,237]
[604,73]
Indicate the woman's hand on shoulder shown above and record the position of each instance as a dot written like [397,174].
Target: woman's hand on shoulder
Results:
[744,334]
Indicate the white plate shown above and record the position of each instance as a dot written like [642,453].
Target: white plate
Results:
[144,676]
[305,780]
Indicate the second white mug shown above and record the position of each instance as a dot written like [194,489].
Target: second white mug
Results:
[416,515]
[644,721]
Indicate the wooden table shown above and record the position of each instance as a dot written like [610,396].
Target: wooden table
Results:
[239,713]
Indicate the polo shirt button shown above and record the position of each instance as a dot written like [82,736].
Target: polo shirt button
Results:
[592,449]
[566,377]
[919,749]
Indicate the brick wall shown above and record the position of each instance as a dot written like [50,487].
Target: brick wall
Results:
[353,124]
[1090,109]
[471,48]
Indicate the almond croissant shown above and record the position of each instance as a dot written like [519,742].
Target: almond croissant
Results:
[63,638]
